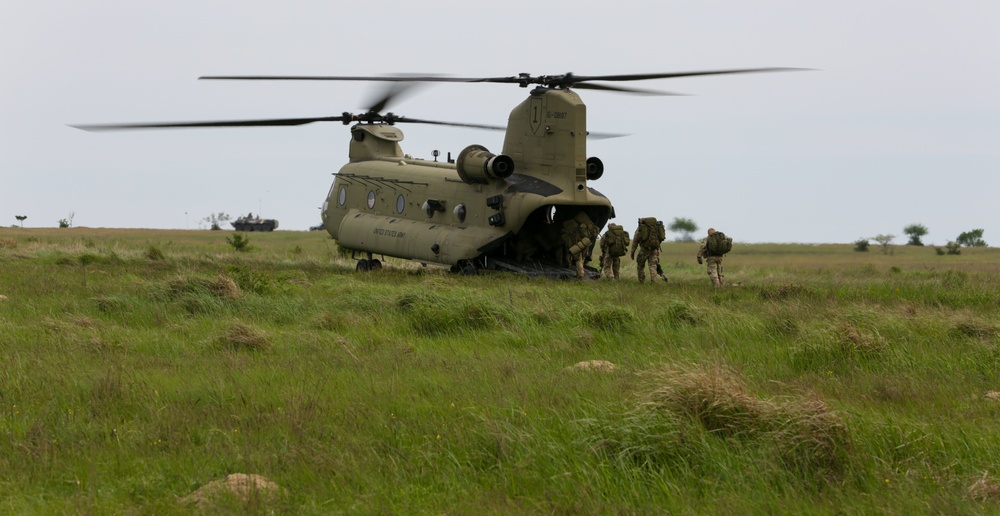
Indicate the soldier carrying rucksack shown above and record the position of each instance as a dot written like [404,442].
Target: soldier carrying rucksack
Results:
[578,235]
[648,237]
[712,249]
[614,245]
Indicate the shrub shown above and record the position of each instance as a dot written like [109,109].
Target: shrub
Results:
[239,242]
[861,245]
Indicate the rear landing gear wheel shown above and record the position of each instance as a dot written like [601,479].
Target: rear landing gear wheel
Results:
[374,265]
[363,266]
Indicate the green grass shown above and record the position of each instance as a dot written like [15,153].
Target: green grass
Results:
[141,365]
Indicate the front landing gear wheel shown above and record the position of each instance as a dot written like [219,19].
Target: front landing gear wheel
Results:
[374,265]
[363,266]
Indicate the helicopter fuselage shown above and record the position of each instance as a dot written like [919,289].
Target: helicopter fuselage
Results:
[483,207]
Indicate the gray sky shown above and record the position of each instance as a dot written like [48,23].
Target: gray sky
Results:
[900,122]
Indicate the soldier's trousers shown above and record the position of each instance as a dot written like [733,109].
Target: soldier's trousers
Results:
[612,266]
[578,261]
[715,270]
[644,257]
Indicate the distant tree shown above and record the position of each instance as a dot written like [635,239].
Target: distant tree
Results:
[683,226]
[884,241]
[67,222]
[915,231]
[972,238]
[215,220]
[861,245]
[21,219]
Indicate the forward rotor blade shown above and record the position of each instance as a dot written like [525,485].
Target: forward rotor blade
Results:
[231,123]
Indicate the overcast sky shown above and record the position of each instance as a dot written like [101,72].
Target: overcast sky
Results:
[898,124]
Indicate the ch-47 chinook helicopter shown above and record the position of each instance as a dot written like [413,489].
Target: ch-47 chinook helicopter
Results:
[481,211]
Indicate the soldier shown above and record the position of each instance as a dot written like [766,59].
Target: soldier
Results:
[648,237]
[712,249]
[614,245]
[578,236]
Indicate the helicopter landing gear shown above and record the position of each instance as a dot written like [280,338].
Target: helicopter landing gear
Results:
[465,269]
[369,264]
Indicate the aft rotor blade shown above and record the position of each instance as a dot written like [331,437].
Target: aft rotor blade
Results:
[672,75]
[565,80]
[230,123]
[452,124]
[619,89]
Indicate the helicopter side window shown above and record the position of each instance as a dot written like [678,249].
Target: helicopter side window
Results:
[371,200]
[460,213]
[343,195]
[400,204]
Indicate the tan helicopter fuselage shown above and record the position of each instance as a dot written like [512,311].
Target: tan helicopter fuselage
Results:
[484,206]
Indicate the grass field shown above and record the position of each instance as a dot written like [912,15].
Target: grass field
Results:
[141,365]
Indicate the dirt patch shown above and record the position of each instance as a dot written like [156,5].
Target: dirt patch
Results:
[593,365]
[238,486]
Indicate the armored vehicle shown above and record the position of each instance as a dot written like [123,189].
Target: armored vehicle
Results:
[251,223]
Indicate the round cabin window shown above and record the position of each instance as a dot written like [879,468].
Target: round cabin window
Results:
[371,200]
[400,204]
[343,195]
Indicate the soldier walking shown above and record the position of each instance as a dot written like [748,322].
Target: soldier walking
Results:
[614,245]
[578,236]
[711,251]
[648,237]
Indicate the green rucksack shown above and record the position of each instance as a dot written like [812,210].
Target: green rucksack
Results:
[718,244]
[651,233]
[617,239]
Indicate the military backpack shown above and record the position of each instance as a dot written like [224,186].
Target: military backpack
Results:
[651,233]
[718,244]
[617,239]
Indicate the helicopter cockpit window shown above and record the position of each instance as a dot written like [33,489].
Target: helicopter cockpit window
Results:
[342,199]
[371,200]
[400,204]
[460,213]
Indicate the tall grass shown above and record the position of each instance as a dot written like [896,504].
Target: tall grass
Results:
[142,368]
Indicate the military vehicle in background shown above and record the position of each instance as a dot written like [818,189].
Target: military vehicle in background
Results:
[251,223]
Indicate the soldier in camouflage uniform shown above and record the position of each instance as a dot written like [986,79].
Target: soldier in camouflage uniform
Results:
[578,236]
[647,241]
[714,262]
[614,245]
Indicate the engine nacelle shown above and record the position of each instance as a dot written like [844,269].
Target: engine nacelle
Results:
[476,165]
[595,168]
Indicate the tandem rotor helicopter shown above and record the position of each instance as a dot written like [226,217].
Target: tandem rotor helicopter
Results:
[482,210]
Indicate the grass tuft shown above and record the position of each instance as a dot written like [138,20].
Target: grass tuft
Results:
[242,337]
[805,434]
[613,319]
[976,329]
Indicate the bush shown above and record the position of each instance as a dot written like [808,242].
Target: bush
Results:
[861,245]
[239,242]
